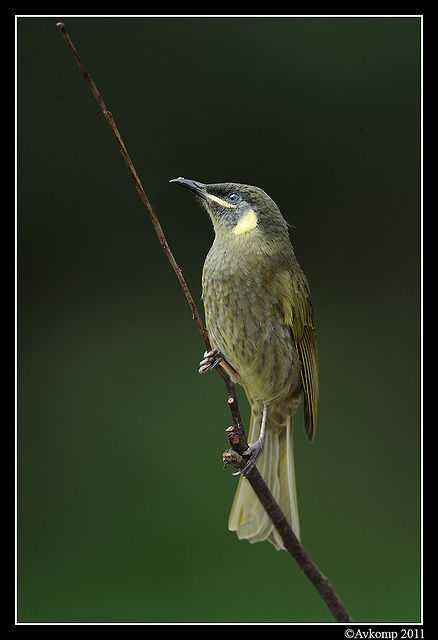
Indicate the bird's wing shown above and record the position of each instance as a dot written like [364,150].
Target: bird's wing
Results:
[298,315]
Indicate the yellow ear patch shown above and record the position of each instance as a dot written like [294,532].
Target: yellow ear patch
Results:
[247,223]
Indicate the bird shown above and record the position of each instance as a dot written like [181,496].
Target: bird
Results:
[260,321]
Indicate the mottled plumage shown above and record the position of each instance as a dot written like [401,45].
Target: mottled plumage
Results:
[259,316]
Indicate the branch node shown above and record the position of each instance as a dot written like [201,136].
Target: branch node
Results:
[233,437]
[232,457]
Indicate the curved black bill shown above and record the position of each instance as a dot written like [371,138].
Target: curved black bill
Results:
[197,187]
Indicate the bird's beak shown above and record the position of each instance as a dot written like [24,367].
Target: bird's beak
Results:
[198,188]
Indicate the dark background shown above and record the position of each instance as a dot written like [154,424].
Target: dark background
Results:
[123,502]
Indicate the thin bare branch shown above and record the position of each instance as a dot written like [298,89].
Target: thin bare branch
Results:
[154,219]
[236,434]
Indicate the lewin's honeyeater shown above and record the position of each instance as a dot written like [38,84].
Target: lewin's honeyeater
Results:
[260,322]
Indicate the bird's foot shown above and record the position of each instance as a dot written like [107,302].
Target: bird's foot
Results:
[210,361]
[255,449]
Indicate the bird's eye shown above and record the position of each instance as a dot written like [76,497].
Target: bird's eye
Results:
[233,197]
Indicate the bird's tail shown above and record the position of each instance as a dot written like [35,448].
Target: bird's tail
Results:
[276,465]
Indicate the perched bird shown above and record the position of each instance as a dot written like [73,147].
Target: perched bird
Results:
[260,322]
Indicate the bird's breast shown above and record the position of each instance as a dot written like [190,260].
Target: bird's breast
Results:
[245,323]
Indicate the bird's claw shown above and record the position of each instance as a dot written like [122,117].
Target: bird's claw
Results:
[210,361]
[254,450]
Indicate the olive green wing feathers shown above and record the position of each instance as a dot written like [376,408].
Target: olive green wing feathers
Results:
[298,315]
[308,352]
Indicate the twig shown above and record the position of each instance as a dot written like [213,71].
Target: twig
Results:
[236,434]
[291,543]
[156,224]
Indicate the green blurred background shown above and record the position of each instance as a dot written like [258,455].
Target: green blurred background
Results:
[123,502]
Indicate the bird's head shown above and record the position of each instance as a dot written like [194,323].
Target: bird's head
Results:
[239,210]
